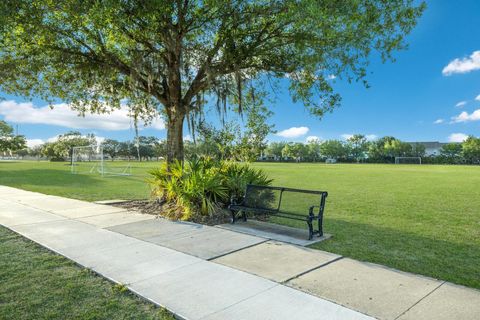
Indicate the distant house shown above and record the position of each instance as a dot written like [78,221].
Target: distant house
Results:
[431,148]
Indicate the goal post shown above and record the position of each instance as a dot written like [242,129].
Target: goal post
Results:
[408,160]
[91,159]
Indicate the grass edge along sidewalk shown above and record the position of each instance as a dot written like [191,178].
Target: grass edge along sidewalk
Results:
[40,284]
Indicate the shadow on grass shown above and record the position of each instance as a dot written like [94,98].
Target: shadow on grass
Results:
[407,251]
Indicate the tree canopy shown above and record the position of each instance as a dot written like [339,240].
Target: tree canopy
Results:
[61,148]
[171,57]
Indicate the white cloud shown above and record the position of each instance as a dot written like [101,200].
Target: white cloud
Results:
[477,98]
[466,117]
[331,77]
[457,137]
[463,65]
[188,138]
[313,139]
[461,104]
[293,132]
[438,121]
[62,115]
[32,143]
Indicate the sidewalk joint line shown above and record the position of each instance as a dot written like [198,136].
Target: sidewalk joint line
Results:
[312,269]
[94,215]
[236,250]
[428,294]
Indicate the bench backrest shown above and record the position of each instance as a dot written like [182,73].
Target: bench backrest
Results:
[288,200]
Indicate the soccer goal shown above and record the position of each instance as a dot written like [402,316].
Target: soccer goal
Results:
[408,160]
[90,159]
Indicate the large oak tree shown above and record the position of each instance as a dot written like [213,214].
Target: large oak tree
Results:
[170,57]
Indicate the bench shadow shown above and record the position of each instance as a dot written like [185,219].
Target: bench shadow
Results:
[437,258]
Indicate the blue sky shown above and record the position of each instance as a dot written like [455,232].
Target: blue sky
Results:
[436,80]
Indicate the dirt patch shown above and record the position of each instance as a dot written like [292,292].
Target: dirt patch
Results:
[157,208]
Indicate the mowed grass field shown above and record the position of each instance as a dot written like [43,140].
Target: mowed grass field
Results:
[417,218]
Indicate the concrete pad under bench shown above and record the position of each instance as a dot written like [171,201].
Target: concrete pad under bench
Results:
[369,288]
[277,261]
[447,302]
[283,303]
[274,231]
[113,219]
[200,289]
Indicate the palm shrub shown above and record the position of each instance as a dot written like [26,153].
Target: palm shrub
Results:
[201,187]
[236,177]
[193,188]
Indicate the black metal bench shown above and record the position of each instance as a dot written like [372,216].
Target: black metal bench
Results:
[268,201]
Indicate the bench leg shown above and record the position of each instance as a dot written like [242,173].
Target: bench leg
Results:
[233,219]
[244,216]
[310,228]
[320,225]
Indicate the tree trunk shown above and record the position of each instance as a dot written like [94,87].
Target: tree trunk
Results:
[175,138]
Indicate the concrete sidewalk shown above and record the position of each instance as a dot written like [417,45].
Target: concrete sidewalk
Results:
[201,272]
[188,286]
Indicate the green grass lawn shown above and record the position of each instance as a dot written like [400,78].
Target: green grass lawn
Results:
[423,219]
[38,284]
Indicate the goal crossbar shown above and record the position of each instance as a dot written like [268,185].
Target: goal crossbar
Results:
[91,159]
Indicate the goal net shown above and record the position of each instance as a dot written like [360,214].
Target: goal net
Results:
[408,160]
[91,159]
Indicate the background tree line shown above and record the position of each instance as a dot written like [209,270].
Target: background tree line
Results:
[384,150]
[246,143]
